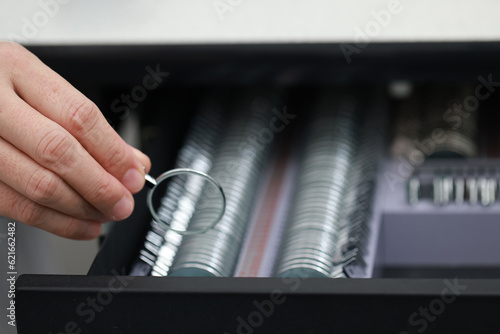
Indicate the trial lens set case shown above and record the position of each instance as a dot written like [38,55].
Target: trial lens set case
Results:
[434,263]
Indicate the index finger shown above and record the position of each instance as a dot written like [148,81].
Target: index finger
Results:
[59,101]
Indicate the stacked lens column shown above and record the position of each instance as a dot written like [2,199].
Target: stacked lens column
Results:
[316,218]
[359,202]
[239,166]
[183,192]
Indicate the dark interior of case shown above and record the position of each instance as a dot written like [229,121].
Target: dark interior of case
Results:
[446,260]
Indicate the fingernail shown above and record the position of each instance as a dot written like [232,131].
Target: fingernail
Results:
[123,209]
[143,158]
[133,180]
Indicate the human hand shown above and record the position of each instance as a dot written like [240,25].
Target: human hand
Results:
[62,166]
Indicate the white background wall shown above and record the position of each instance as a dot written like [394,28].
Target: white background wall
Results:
[195,21]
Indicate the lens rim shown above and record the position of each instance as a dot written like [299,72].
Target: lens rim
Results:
[181,171]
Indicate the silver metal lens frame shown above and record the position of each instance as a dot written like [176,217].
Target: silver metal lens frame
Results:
[182,171]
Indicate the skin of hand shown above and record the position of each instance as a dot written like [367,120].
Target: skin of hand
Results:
[63,168]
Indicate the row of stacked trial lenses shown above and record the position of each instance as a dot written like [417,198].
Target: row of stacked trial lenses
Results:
[457,185]
[238,166]
[316,217]
[354,239]
[183,192]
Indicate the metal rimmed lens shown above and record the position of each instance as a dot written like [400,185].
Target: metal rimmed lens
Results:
[182,171]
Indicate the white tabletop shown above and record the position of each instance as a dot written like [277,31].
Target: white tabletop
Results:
[245,21]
